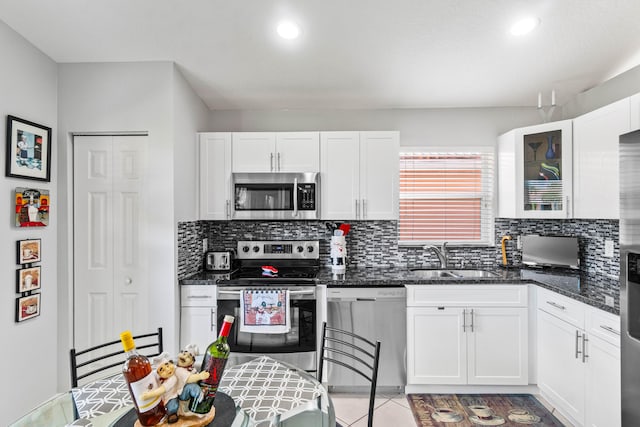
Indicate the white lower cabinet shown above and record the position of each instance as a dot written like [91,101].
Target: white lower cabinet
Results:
[497,346]
[436,346]
[579,360]
[561,372]
[603,384]
[456,343]
[197,316]
[197,326]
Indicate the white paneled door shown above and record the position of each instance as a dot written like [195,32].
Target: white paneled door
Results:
[110,264]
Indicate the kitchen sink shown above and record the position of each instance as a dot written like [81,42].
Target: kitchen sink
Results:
[429,273]
[424,273]
[473,274]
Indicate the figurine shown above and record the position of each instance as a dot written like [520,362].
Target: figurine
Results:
[177,384]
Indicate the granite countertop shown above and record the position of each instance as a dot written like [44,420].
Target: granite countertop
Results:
[590,289]
[586,288]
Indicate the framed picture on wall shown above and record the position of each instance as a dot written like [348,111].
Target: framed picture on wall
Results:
[29,251]
[28,150]
[32,207]
[28,279]
[27,307]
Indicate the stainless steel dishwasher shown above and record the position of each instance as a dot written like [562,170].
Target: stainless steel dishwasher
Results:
[375,313]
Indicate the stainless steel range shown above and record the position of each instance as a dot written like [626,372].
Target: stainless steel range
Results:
[288,265]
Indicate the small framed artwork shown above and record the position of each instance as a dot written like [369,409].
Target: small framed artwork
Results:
[27,307]
[32,207]
[28,279]
[28,150]
[29,251]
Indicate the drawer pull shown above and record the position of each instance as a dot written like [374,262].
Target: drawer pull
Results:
[199,297]
[556,305]
[464,320]
[609,329]
[578,336]
[472,321]
[584,348]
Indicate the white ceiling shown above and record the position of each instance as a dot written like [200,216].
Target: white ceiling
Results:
[352,53]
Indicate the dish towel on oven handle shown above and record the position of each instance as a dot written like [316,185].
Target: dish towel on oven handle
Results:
[265,311]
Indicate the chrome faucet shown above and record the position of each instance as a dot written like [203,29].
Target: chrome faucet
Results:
[441,253]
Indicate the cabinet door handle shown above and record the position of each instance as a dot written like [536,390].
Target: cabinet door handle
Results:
[584,348]
[567,207]
[213,320]
[464,320]
[357,208]
[609,329]
[279,163]
[578,336]
[228,209]
[472,321]
[364,208]
[556,305]
[271,162]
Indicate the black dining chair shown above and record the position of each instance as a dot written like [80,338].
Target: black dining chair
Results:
[352,352]
[102,358]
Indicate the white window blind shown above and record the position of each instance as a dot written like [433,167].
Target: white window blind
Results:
[446,197]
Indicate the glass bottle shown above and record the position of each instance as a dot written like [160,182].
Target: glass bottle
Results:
[140,378]
[215,359]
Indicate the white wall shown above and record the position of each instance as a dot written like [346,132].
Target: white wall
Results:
[436,127]
[28,88]
[122,97]
[191,115]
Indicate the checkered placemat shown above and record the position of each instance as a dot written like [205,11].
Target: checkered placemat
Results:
[265,387]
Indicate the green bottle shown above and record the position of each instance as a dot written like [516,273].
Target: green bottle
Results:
[215,359]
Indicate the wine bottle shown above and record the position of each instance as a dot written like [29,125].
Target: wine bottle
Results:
[215,359]
[140,378]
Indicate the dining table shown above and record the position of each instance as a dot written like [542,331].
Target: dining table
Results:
[262,392]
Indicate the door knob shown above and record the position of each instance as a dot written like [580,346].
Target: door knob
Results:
[128,281]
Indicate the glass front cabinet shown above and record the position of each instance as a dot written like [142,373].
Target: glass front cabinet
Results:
[534,171]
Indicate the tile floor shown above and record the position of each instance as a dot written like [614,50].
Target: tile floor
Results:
[390,410]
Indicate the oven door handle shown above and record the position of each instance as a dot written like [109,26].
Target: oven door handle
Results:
[295,197]
[310,292]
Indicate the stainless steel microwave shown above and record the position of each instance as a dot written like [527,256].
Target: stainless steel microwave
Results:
[287,196]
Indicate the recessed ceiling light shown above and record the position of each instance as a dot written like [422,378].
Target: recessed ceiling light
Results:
[524,26]
[288,30]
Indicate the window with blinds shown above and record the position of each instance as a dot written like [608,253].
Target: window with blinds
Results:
[446,197]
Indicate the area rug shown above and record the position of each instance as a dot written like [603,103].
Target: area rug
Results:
[472,410]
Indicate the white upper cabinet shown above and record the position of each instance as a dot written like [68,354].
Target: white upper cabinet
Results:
[535,171]
[595,160]
[359,175]
[340,175]
[276,152]
[298,152]
[379,175]
[215,175]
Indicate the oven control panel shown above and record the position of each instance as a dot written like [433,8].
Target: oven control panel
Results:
[281,249]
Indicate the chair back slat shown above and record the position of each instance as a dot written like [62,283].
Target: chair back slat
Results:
[367,360]
[103,358]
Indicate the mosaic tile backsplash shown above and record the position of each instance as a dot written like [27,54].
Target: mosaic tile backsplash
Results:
[591,234]
[375,244]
